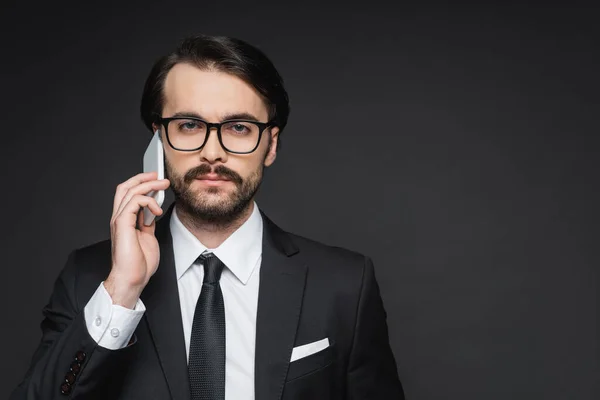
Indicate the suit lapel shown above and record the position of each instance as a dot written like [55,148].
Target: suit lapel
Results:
[281,289]
[163,314]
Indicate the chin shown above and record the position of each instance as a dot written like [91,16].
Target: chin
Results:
[215,198]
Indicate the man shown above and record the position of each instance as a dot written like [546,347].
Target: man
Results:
[212,300]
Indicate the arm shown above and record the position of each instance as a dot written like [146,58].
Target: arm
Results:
[67,352]
[372,371]
[69,362]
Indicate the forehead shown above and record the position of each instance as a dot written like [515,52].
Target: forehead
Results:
[209,93]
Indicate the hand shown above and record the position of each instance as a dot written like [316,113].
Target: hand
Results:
[135,251]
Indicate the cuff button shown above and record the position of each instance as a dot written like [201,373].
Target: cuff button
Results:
[75,367]
[65,388]
[70,378]
[80,356]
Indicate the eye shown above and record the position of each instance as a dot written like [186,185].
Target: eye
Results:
[239,128]
[189,125]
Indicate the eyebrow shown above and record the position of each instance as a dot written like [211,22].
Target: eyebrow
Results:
[226,117]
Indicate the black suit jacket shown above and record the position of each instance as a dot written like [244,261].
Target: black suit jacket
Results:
[308,291]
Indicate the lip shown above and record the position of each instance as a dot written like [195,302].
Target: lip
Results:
[211,177]
[212,180]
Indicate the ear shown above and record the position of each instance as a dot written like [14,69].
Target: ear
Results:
[158,127]
[272,151]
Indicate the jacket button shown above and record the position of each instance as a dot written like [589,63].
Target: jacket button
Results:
[65,388]
[75,367]
[70,378]
[80,356]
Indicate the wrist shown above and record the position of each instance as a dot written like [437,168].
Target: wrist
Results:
[122,293]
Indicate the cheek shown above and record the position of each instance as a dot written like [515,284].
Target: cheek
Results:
[246,167]
[178,166]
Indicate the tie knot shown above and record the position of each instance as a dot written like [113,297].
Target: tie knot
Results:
[213,267]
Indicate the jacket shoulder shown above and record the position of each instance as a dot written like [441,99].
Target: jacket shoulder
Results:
[86,267]
[92,256]
[328,263]
[315,247]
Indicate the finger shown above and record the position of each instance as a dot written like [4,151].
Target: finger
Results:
[123,187]
[128,217]
[143,188]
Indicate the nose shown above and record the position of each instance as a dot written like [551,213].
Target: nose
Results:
[212,150]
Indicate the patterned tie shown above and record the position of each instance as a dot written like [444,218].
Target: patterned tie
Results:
[206,365]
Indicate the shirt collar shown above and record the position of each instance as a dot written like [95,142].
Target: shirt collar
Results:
[239,252]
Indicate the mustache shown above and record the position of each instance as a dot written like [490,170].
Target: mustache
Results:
[220,170]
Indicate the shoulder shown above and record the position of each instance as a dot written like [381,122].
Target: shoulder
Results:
[324,261]
[330,252]
[334,267]
[85,268]
[92,255]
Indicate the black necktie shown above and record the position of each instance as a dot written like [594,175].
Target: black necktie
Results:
[206,365]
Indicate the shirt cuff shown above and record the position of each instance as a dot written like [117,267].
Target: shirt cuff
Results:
[111,325]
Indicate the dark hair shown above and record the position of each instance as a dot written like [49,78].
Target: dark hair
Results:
[224,54]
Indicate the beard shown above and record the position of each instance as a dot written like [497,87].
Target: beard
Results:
[213,205]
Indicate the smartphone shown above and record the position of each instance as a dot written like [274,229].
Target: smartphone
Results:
[154,160]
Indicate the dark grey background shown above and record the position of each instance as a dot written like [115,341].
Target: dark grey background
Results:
[457,146]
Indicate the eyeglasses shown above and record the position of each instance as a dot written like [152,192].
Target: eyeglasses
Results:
[191,134]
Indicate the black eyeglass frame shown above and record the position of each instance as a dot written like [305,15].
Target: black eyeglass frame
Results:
[262,126]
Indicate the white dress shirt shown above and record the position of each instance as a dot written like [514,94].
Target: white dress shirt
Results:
[111,326]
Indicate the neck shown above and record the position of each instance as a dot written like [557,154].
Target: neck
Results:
[212,234]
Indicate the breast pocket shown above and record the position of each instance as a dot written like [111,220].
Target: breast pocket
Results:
[312,363]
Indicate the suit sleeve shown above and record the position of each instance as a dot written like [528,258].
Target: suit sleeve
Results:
[68,363]
[372,371]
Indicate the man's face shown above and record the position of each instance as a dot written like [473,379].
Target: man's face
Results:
[214,97]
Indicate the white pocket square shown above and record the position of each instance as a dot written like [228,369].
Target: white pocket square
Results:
[307,349]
